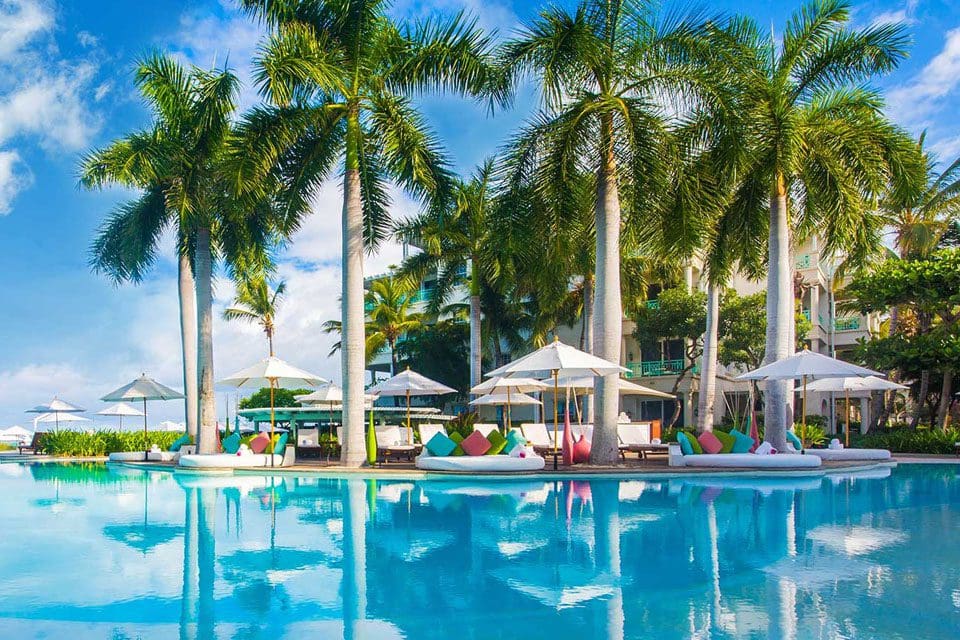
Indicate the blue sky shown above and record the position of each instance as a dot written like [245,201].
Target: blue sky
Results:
[65,86]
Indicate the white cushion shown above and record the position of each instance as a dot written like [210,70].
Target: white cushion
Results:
[427,462]
[752,461]
[229,461]
[850,454]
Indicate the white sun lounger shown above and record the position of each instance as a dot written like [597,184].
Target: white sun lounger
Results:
[537,436]
[391,443]
[427,431]
[485,428]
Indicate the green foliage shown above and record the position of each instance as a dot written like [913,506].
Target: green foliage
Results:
[281,398]
[463,423]
[101,443]
[814,434]
[906,440]
[743,329]
[7,447]
[930,285]
[439,351]
[679,314]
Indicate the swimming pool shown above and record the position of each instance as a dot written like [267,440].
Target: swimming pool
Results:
[88,551]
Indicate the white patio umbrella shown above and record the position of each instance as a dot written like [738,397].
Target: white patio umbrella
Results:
[807,365]
[509,385]
[15,433]
[58,416]
[584,384]
[143,388]
[554,359]
[504,399]
[120,409]
[56,408]
[410,383]
[846,385]
[275,373]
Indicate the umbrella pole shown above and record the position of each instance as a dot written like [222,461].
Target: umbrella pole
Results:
[272,423]
[803,415]
[847,409]
[508,410]
[146,445]
[409,431]
[556,410]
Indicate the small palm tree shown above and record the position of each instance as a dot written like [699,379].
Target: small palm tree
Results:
[256,303]
[340,77]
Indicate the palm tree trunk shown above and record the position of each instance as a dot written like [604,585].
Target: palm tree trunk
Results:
[588,335]
[778,408]
[708,371]
[475,353]
[923,320]
[207,437]
[188,341]
[608,311]
[353,452]
[946,398]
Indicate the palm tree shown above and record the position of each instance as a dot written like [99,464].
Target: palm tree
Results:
[455,238]
[388,319]
[256,303]
[818,149]
[173,163]
[341,77]
[603,69]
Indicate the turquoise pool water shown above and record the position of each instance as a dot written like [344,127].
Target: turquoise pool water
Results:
[108,553]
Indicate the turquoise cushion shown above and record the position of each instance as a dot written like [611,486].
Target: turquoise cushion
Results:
[497,443]
[794,440]
[231,444]
[281,444]
[742,443]
[726,439]
[179,442]
[514,440]
[440,445]
[685,446]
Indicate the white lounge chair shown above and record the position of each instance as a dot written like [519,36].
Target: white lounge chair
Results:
[537,436]
[391,443]
[585,430]
[427,431]
[485,428]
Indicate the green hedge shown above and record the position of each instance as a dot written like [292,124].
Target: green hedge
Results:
[906,440]
[101,443]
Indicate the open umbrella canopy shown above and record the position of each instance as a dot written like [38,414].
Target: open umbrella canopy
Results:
[502,399]
[272,370]
[56,406]
[120,409]
[329,394]
[58,416]
[15,433]
[808,364]
[584,384]
[854,384]
[561,357]
[410,383]
[143,388]
[510,384]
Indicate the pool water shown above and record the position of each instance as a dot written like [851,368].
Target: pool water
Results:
[89,551]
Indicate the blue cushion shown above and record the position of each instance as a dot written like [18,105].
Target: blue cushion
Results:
[231,444]
[514,439]
[281,443]
[794,440]
[440,445]
[685,445]
[179,442]
[742,443]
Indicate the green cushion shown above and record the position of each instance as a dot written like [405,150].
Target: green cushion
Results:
[794,440]
[497,442]
[742,442]
[514,440]
[684,443]
[179,442]
[231,444]
[458,450]
[440,445]
[694,443]
[726,439]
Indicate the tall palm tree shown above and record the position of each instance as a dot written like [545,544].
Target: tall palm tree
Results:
[456,237]
[388,304]
[173,163]
[257,303]
[818,149]
[603,69]
[340,77]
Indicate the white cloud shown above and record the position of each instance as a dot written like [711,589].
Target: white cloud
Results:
[87,39]
[21,21]
[920,98]
[14,178]
[490,16]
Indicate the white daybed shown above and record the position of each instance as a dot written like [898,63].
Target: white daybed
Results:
[127,456]
[850,455]
[427,462]
[742,460]
[234,461]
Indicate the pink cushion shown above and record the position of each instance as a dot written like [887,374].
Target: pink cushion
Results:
[710,442]
[475,444]
[581,451]
[259,443]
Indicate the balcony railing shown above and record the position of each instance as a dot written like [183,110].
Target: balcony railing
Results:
[806,314]
[850,323]
[653,304]
[804,262]
[651,368]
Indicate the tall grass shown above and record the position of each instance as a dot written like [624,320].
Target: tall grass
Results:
[101,443]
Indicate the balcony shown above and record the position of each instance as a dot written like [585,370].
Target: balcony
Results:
[651,368]
[653,304]
[849,323]
[804,262]
[806,314]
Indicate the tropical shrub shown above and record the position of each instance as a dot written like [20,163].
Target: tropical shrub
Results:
[463,423]
[813,435]
[101,443]
[906,440]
